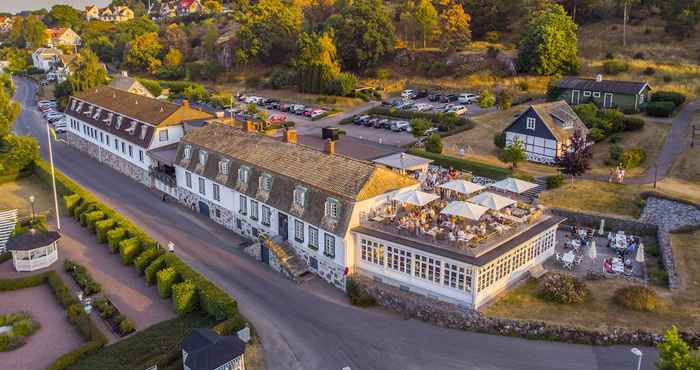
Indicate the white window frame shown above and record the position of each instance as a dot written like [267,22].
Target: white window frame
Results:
[224,166]
[243,173]
[188,179]
[203,157]
[298,231]
[216,192]
[254,210]
[163,135]
[266,216]
[313,238]
[188,152]
[265,182]
[202,186]
[586,94]
[530,123]
[332,208]
[299,196]
[596,94]
[328,245]
[243,204]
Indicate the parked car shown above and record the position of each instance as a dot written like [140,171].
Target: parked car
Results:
[458,110]
[318,113]
[408,94]
[381,123]
[398,126]
[276,118]
[467,98]
[358,119]
[449,98]
[370,122]
[273,104]
[420,94]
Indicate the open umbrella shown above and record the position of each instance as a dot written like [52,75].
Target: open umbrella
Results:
[461,186]
[592,251]
[640,253]
[514,185]
[415,197]
[464,209]
[491,200]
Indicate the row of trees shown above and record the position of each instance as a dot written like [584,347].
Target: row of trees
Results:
[16,152]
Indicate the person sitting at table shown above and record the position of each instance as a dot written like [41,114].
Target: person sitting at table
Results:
[607,265]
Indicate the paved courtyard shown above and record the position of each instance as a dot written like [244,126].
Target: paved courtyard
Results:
[55,337]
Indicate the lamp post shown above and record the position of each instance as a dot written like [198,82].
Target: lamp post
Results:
[639,355]
[31,201]
[53,178]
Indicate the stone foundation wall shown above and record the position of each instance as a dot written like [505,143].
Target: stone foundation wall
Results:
[327,269]
[104,156]
[448,315]
[217,213]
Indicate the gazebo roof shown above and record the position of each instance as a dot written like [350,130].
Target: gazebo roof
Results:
[32,239]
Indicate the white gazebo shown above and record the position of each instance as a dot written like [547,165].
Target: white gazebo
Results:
[514,185]
[466,210]
[492,201]
[34,249]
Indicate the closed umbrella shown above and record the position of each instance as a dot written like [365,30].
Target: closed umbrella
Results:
[640,253]
[464,209]
[592,251]
[601,231]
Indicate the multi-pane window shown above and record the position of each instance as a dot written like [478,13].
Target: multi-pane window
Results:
[254,209]
[457,277]
[265,182]
[398,260]
[329,245]
[223,167]
[530,124]
[299,196]
[116,144]
[313,238]
[188,152]
[372,252]
[332,207]
[428,268]
[107,137]
[243,203]
[163,135]
[140,155]
[202,157]
[216,191]
[266,213]
[299,231]
[188,179]
[202,188]
[243,175]
[123,147]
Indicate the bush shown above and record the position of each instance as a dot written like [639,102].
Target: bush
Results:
[22,327]
[342,85]
[632,123]
[419,126]
[358,296]
[75,355]
[230,326]
[60,290]
[152,270]
[92,217]
[145,258]
[104,307]
[660,108]
[282,78]
[102,227]
[71,201]
[166,278]
[671,96]
[615,138]
[505,98]
[597,134]
[75,312]
[649,71]
[633,158]
[487,99]
[129,249]
[185,297]
[615,152]
[79,209]
[615,67]
[667,78]
[554,181]
[637,297]
[126,326]
[114,237]
[434,144]
[563,288]
[499,140]
[82,277]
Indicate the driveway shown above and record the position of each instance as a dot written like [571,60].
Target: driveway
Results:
[311,326]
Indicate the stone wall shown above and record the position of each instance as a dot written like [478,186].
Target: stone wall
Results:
[448,315]
[325,268]
[592,220]
[217,213]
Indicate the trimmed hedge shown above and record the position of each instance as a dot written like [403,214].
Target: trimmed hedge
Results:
[476,168]
[92,218]
[82,277]
[102,227]
[660,108]
[126,326]
[21,283]
[68,359]
[71,201]
[670,96]
[129,249]
[230,326]
[632,158]
[114,237]
[184,297]
[151,271]
[166,277]
[145,258]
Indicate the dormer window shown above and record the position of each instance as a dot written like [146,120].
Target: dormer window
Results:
[224,166]
[79,107]
[188,152]
[203,157]
[108,120]
[88,111]
[132,128]
[144,130]
[265,182]
[243,174]
[299,196]
[530,124]
[332,208]
[72,105]
[119,122]
[97,113]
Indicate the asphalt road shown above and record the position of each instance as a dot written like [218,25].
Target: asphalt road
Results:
[311,326]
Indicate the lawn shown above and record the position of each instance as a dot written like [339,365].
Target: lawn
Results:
[683,179]
[596,196]
[15,194]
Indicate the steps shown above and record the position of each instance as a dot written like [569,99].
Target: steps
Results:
[8,220]
[291,264]
[535,192]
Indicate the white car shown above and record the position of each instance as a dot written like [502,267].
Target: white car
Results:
[397,126]
[467,98]
[458,110]
[408,93]
[318,113]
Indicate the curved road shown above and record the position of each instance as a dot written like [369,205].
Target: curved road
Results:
[311,326]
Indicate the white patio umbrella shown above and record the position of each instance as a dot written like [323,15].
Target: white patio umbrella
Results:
[592,251]
[464,209]
[491,200]
[461,186]
[415,197]
[514,185]
[640,253]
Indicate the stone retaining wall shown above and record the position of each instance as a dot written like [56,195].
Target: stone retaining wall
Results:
[448,315]
[611,223]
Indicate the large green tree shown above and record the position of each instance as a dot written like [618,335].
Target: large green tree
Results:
[676,354]
[426,18]
[143,53]
[65,16]
[268,32]
[88,73]
[364,33]
[494,15]
[454,28]
[9,110]
[316,62]
[550,45]
[29,32]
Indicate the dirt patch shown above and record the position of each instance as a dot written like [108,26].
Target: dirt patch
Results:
[16,195]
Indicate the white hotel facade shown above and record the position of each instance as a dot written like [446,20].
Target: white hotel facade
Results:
[317,202]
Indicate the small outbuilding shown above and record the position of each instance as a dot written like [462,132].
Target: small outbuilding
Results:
[34,249]
[629,96]
[204,349]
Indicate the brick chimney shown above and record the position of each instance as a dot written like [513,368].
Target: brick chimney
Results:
[290,135]
[330,147]
[249,126]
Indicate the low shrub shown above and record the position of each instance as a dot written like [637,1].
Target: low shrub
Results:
[615,152]
[499,140]
[166,278]
[670,96]
[152,270]
[105,308]
[633,158]
[554,181]
[633,123]
[114,237]
[60,290]
[126,326]
[185,297]
[82,277]
[597,134]
[615,67]
[71,201]
[615,138]
[70,358]
[230,326]
[129,249]
[102,227]
[637,297]
[145,258]
[82,217]
[22,327]
[358,296]
[75,311]
[92,218]
[21,283]
[564,288]
[660,108]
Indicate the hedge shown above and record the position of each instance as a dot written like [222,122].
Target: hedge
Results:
[82,277]
[166,277]
[102,227]
[476,168]
[92,218]
[660,108]
[632,158]
[21,283]
[71,201]
[185,297]
[68,359]
[145,258]
[129,249]
[114,237]
[669,96]
[152,270]
[230,326]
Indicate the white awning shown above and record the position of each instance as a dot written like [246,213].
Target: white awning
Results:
[461,186]
[492,201]
[415,197]
[465,209]
[403,161]
[514,185]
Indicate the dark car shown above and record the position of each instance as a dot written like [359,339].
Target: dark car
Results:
[420,94]
[381,123]
[387,103]
[435,95]
[370,122]
[273,104]
[448,98]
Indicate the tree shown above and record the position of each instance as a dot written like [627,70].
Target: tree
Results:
[675,354]
[682,17]
[127,31]
[576,157]
[408,22]
[173,58]
[317,13]
[268,32]
[29,32]
[494,15]
[426,19]
[550,43]
[64,16]
[316,62]
[582,10]
[434,143]
[144,52]
[213,7]
[177,38]
[9,110]
[419,126]
[514,153]
[88,73]
[17,153]
[454,28]
[486,99]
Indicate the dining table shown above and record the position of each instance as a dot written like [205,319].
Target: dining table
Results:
[568,260]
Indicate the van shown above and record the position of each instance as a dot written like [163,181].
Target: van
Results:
[467,98]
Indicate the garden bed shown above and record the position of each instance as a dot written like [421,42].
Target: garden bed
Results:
[119,324]
[15,328]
